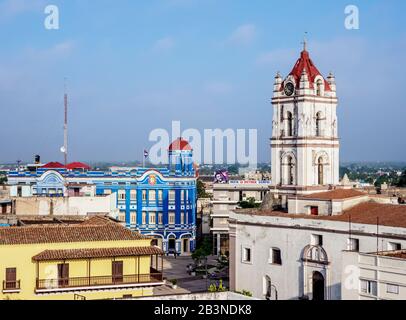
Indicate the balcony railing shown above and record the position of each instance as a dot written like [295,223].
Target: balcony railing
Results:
[79,282]
[11,285]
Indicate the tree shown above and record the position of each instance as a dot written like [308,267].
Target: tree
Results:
[204,250]
[201,190]
[249,203]
[402,180]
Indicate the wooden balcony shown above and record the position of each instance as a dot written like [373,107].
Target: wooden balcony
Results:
[11,286]
[98,282]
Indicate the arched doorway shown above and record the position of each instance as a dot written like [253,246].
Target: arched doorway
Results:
[318,285]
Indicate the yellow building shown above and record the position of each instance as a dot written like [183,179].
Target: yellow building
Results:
[96,259]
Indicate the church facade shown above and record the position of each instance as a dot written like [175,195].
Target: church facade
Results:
[159,202]
[305,142]
[295,246]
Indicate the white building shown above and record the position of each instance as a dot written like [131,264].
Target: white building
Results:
[374,276]
[289,256]
[226,197]
[305,143]
[294,249]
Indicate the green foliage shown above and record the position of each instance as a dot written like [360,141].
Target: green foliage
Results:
[220,288]
[249,203]
[204,250]
[174,281]
[3,179]
[201,191]
[245,293]
[402,180]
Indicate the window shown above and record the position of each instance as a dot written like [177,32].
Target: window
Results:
[160,216]
[107,191]
[133,217]
[63,274]
[160,195]
[121,216]
[182,218]
[392,288]
[314,211]
[319,85]
[171,194]
[117,271]
[152,218]
[291,173]
[121,194]
[369,287]
[353,245]
[171,218]
[152,195]
[11,279]
[316,240]
[144,195]
[289,124]
[394,246]
[144,217]
[246,255]
[133,195]
[276,257]
[318,124]
[320,171]
[187,217]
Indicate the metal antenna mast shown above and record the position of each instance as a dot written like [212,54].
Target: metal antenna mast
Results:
[64,149]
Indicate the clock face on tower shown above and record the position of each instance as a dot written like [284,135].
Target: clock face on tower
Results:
[289,89]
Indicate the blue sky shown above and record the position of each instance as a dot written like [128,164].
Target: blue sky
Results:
[133,66]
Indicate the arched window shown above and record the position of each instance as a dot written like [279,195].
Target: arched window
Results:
[320,171]
[289,131]
[319,84]
[318,124]
[291,168]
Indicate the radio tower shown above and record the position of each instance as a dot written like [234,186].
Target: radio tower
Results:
[64,149]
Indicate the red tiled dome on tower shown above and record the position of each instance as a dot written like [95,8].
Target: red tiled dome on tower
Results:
[180,144]
[53,165]
[77,165]
[306,63]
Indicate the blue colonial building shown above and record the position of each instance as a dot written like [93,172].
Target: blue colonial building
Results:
[160,202]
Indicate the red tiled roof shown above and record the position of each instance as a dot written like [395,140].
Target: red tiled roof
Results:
[180,144]
[304,62]
[337,194]
[53,165]
[54,255]
[390,215]
[77,165]
[92,230]
[394,254]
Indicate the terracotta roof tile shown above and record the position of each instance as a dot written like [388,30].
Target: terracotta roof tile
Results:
[337,194]
[52,255]
[365,213]
[89,231]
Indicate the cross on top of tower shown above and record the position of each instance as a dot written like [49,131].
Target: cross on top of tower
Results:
[305,41]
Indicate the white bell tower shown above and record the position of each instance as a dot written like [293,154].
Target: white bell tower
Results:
[304,143]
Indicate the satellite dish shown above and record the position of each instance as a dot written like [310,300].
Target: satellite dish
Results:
[63,150]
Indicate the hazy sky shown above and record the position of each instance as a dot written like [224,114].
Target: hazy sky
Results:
[133,66]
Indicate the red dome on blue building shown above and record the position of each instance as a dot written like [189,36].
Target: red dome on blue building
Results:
[180,144]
